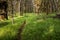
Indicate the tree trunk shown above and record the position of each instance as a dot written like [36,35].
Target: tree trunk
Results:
[12,12]
[21,7]
[49,6]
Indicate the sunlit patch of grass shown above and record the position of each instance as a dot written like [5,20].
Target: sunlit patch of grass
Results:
[8,31]
[2,33]
[50,30]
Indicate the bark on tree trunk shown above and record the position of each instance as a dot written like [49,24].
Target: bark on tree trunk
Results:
[12,12]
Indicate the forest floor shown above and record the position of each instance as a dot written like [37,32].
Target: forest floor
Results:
[38,27]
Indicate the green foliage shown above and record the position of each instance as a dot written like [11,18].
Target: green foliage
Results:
[9,31]
[37,28]
[42,29]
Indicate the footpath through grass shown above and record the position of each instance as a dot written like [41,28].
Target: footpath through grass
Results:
[37,28]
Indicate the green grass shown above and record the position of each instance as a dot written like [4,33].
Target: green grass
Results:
[38,27]
[8,31]
[42,30]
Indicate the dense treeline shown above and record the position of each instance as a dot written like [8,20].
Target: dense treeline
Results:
[29,6]
[49,6]
[38,6]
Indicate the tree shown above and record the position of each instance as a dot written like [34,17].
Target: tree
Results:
[22,7]
[3,8]
[49,6]
[36,6]
[12,12]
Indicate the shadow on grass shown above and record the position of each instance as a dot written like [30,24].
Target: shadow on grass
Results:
[3,24]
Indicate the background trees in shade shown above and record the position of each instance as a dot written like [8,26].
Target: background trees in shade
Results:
[30,6]
[50,6]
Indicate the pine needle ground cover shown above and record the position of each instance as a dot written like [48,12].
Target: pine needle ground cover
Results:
[38,27]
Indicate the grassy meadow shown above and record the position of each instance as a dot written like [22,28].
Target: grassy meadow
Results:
[38,27]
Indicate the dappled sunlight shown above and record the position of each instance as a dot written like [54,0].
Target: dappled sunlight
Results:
[2,20]
[41,20]
[29,20]
[7,33]
[50,30]
[36,27]
[2,33]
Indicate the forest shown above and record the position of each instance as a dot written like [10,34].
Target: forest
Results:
[29,19]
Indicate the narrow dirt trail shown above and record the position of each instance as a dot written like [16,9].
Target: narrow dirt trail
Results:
[20,30]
